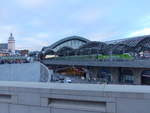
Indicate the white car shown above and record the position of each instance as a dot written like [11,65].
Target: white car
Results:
[67,80]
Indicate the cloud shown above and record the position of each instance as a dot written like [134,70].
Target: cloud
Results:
[42,35]
[87,15]
[145,31]
[3,13]
[34,42]
[32,3]
[5,30]
[36,22]
[142,27]
[145,22]
[104,36]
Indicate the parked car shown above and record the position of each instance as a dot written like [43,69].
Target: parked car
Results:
[67,80]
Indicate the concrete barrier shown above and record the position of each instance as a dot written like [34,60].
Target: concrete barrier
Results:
[45,73]
[30,72]
[23,97]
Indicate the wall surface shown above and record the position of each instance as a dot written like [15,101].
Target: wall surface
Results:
[97,63]
[31,72]
[23,97]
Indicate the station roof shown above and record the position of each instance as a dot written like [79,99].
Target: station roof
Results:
[68,39]
[132,42]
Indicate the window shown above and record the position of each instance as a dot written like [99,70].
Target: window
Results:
[127,77]
[105,75]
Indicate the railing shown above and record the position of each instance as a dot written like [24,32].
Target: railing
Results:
[76,58]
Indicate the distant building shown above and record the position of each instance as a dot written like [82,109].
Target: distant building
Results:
[4,54]
[3,46]
[10,46]
[11,43]
[22,52]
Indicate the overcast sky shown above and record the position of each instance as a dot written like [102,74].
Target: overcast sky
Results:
[38,23]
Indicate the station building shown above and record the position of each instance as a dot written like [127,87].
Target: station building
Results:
[124,61]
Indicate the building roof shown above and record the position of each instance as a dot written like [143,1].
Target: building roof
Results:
[68,39]
[94,44]
[132,42]
[3,46]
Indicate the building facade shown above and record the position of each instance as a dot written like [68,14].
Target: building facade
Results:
[3,46]
[11,43]
[6,48]
[124,61]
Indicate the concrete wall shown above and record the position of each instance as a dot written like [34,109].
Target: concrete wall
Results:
[31,72]
[45,73]
[95,71]
[97,63]
[21,97]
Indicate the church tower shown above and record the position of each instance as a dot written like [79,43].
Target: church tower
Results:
[11,43]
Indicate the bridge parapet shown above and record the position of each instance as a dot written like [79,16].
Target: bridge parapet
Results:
[23,97]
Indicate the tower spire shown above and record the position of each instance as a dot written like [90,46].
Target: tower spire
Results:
[11,37]
[11,34]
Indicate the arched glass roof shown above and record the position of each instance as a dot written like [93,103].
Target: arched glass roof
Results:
[132,42]
[81,45]
[93,44]
[73,42]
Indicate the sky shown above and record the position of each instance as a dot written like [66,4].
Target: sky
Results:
[39,23]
